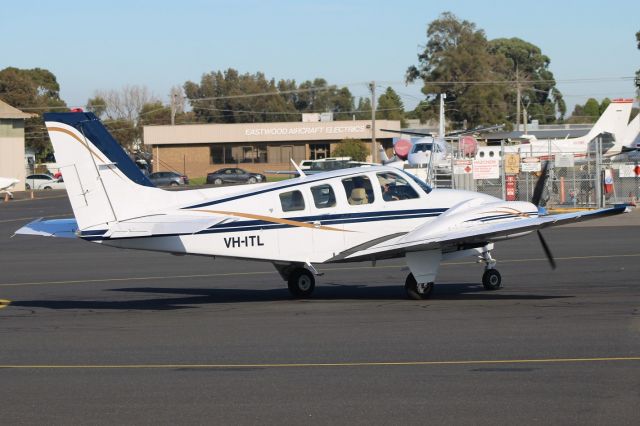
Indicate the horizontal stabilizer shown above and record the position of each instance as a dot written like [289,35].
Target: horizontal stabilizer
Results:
[158,225]
[61,228]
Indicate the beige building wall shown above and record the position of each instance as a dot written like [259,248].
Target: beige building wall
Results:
[12,151]
[187,148]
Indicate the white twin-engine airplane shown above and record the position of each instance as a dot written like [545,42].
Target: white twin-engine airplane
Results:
[349,215]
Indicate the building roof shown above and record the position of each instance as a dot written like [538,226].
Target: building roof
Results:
[7,111]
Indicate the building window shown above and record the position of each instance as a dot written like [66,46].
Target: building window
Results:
[216,154]
[318,151]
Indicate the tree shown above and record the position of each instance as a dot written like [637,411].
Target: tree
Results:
[480,77]
[125,103]
[603,105]
[34,90]
[390,107]
[97,105]
[231,97]
[587,113]
[528,65]
[363,110]
[354,148]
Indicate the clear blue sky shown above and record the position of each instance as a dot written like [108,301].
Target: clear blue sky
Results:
[109,44]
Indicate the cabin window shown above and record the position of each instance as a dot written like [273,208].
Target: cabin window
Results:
[395,188]
[291,201]
[359,190]
[323,196]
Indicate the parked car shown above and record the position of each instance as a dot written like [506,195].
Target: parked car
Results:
[37,180]
[234,175]
[54,184]
[168,179]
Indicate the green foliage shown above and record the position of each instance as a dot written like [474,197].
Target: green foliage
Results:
[33,90]
[97,105]
[219,98]
[529,65]
[363,110]
[354,148]
[478,76]
[589,112]
[390,107]
[125,132]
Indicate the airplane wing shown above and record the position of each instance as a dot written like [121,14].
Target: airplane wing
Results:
[398,245]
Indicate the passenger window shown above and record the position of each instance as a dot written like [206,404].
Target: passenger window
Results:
[395,188]
[359,190]
[323,196]
[292,201]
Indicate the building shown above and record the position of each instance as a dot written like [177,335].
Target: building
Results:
[12,158]
[196,149]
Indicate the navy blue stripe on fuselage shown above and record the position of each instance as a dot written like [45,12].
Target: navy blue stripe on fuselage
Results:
[325,220]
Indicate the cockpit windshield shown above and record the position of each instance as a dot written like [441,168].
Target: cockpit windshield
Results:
[422,147]
[426,188]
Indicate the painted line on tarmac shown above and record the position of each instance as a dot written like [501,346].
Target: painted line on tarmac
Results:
[322,364]
[351,268]
[4,303]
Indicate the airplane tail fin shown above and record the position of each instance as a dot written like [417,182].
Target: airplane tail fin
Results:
[383,154]
[613,120]
[631,137]
[104,185]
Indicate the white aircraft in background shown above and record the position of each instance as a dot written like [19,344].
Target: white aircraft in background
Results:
[347,215]
[611,126]
[6,184]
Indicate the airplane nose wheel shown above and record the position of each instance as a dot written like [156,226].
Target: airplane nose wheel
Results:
[301,283]
[417,291]
[491,279]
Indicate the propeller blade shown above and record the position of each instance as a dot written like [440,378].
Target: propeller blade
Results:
[537,191]
[547,251]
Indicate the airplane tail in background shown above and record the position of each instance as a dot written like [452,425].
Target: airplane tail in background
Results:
[103,184]
[631,136]
[613,120]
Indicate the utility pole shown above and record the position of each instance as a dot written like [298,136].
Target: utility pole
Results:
[441,123]
[173,108]
[374,150]
[518,98]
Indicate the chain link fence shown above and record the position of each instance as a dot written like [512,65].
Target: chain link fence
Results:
[575,179]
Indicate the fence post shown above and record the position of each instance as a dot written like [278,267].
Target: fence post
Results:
[502,174]
[598,173]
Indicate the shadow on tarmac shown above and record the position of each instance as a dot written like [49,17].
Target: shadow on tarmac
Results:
[193,297]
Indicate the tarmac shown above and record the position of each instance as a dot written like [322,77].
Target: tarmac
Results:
[96,335]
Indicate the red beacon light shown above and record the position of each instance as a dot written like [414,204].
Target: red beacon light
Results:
[76,110]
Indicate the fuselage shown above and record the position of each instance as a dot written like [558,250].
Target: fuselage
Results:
[308,219]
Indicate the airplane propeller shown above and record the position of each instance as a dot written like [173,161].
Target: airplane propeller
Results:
[535,199]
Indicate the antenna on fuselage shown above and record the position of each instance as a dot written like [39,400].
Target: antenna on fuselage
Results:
[298,169]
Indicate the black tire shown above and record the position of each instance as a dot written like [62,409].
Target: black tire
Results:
[301,283]
[416,292]
[27,186]
[48,188]
[252,179]
[217,181]
[491,279]
[173,183]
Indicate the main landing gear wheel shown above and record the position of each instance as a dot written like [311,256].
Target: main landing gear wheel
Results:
[491,279]
[301,283]
[417,291]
